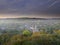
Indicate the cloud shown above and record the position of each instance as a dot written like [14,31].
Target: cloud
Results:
[30,6]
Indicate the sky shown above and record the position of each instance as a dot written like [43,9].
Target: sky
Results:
[29,8]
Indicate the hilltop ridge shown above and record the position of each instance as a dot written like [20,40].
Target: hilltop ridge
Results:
[33,18]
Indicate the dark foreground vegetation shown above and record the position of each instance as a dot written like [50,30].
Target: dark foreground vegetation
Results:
[49,35]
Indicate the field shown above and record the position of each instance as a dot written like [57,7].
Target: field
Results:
[20,31]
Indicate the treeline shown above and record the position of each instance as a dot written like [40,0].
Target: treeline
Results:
[29,38]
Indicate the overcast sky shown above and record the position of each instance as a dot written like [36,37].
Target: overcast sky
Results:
[38,8]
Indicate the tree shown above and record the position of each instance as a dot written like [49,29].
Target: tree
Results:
[27,33]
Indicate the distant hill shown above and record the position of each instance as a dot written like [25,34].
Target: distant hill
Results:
[32,18]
